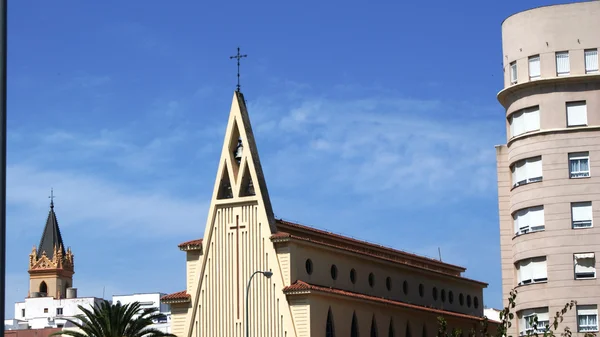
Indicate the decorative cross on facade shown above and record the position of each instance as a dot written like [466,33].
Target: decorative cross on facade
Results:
[51,197]
[237,228]
[238,57]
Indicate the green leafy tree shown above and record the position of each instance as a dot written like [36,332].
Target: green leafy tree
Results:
[115,320]
[507,317]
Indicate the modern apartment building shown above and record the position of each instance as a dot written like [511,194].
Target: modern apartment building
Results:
[549,169]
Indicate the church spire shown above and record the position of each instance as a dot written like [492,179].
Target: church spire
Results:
[51,240]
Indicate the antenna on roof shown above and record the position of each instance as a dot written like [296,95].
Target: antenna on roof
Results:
[440,253]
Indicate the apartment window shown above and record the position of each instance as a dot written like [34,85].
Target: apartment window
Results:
[59,311]
[527,321]
[585,266]
[529,220]
[45,310]
[576,113]
[591,61]
[527,171]
[524,120]
[513,72]
[581,214]
[534,67]
[22,312]
[579,165]
[587,318]
[532,270]
[563,67]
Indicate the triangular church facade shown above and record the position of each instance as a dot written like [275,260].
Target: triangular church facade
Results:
[309,282]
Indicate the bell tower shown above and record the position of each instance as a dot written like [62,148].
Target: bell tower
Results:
[51,267]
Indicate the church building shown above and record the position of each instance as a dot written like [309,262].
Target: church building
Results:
[282,279]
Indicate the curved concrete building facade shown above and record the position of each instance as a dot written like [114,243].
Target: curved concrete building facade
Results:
[549,170]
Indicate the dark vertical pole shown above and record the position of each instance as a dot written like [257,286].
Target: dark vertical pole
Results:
[3,9]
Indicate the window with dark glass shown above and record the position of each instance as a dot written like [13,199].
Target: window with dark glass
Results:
[334,272]
[373,327]
[353,276]
[329,330]
[354,327]
[309,266]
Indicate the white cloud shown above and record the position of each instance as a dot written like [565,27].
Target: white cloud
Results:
[103,205]
[397,146]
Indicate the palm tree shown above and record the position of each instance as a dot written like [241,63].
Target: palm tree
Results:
[115,320]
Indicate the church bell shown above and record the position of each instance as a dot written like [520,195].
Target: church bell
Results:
[238,151]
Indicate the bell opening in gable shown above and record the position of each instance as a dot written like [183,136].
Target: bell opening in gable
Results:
[236,150]
[247,185]
[225,186]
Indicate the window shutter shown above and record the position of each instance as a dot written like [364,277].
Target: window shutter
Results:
[521,167]
[576,113]
[526,270]
[532,119]
[539,268]
[587,310]
[542,315]
[562,63]
[585,263]
[534,167]
[517,123]
[591,60]
[582,211]
[536,216]
[534,67]
[513,72]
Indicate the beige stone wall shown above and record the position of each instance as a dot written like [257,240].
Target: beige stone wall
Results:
[178,315]
[56,285]
[192,266]
[323,258]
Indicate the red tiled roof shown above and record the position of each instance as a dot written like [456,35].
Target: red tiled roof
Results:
[287,225]
[191,245]
[301,287]
[305,233]
[180,296]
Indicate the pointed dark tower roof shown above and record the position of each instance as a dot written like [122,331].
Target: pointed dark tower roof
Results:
[51,237]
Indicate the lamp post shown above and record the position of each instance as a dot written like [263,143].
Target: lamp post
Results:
[3,10]
[267,274]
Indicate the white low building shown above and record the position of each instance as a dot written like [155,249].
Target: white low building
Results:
[48,312]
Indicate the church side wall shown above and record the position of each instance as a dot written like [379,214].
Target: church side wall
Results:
[449,291]
[301,309]
[283,255]
[178,318]
[192,266]
[404,322]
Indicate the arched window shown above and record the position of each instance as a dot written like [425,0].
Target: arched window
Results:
[43,288]
[424,333]
[354,328]
[373,327]
[408,330]
[391,328]
[329,330]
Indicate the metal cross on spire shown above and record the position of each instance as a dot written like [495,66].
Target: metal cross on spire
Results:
[51,197]
[238,57]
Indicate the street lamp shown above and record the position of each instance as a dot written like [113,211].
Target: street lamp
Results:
[267,274]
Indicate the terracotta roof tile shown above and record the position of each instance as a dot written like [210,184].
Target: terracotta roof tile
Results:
[337,241]
[191,245]
[365,245]
[300,287]
[180,296]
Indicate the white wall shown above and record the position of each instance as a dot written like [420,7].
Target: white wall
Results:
[41,312]
[149,300]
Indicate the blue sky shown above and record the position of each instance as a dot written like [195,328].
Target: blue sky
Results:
[382,111]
